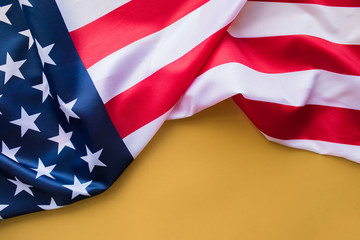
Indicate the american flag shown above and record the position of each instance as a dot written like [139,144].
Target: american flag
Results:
[85,84]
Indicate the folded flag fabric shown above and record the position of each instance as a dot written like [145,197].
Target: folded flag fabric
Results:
[84,85]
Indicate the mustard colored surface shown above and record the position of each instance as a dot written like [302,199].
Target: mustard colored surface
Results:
[212,176]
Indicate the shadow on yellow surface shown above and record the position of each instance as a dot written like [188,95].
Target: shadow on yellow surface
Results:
[212,176]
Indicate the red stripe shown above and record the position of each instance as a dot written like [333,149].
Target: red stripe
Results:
[158,93]
[287,54]
[312,122]
[128,23]
[334,3]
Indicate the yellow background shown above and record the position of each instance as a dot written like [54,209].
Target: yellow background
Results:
[212,176]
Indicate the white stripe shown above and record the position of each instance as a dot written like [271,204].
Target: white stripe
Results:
[262,19]
[350,152]
[78,13]
[294,88]
[137,140]
[133,63]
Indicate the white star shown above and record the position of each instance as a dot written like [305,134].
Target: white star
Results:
[52,205]
[44,87]
[3,16]
[93,159]
[20,186]
[44,53]
[25,3]
[63,139]
[2,207]
[11,68]
[67,108]
[42,170]
[26,122]
[10,153]
[27,34]
[78,188]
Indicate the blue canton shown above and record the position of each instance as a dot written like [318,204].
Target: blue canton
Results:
[57,142]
